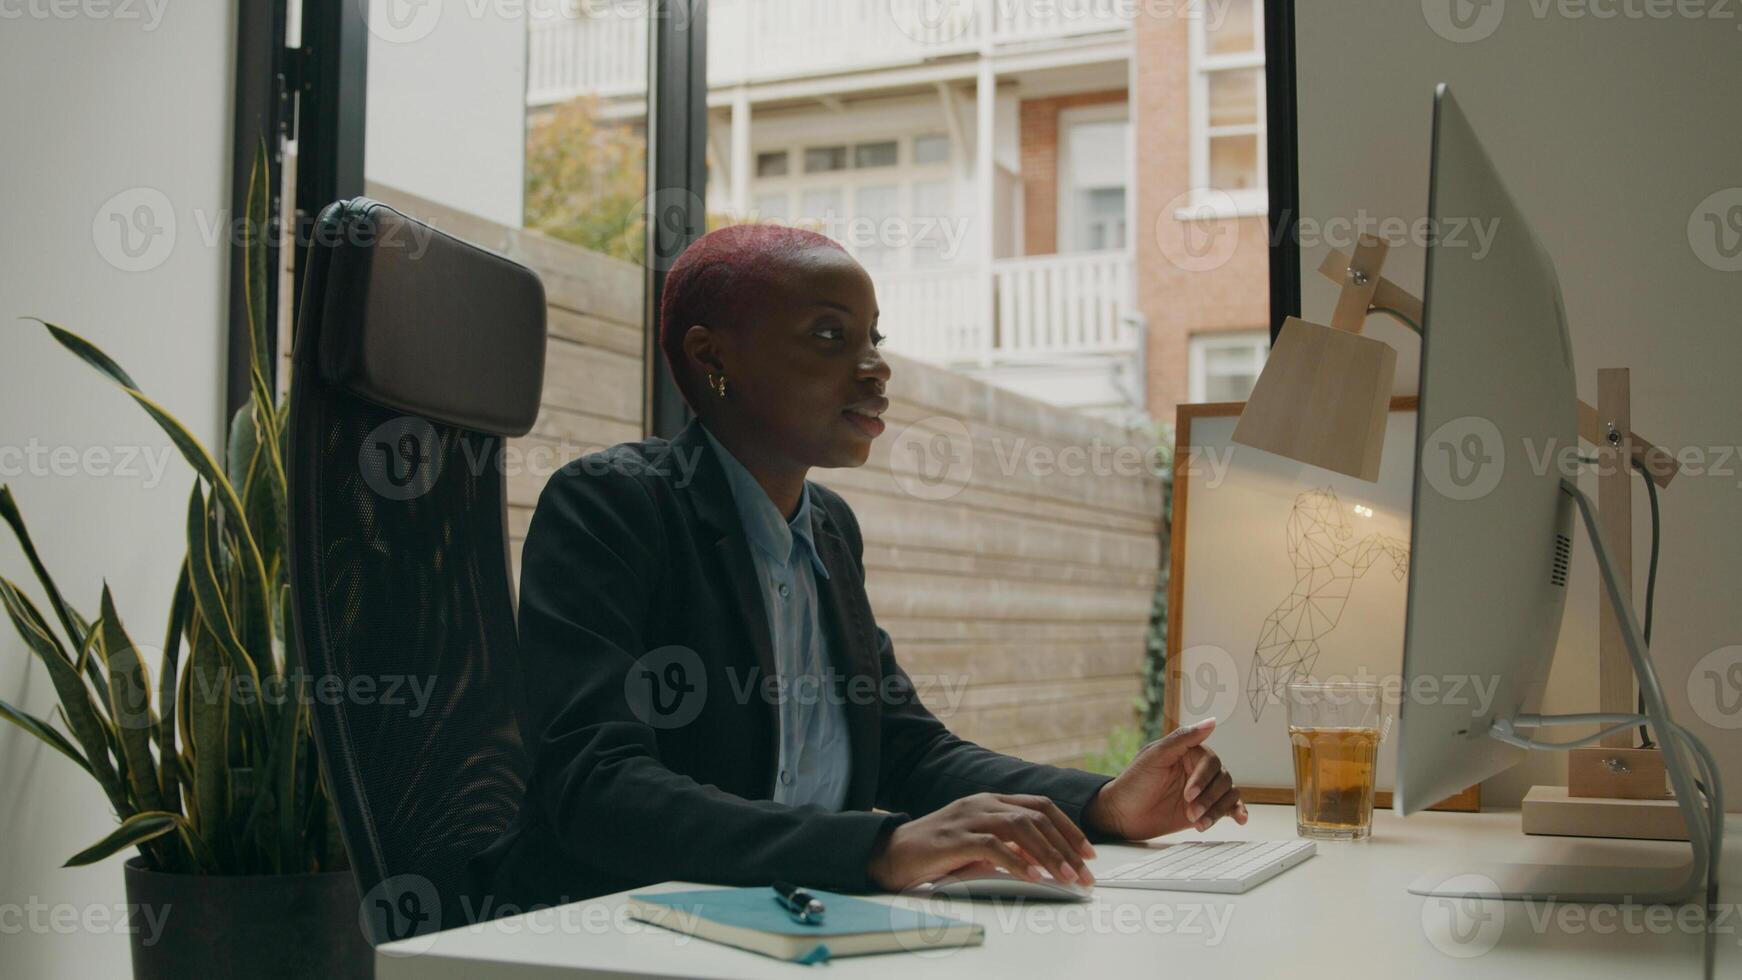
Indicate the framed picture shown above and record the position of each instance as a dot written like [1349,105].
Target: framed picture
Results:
[1282,569]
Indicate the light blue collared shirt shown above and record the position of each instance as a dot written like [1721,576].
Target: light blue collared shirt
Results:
[815,750]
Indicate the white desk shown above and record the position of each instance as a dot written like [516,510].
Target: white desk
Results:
[1344,913]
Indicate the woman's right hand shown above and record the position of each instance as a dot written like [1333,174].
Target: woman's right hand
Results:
[1020,833]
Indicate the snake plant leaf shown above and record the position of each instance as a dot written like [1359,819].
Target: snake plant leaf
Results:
[208,712]
[88,724]
[130,706]
[243,446]
[208,587]
[75,626]
[86,664]
[290,745]
[41,729]
[89,353]
[255,619]
[191,448]
[169,761]
[254,283]
[136,829]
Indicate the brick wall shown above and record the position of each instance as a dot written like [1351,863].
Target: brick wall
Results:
[1179,295]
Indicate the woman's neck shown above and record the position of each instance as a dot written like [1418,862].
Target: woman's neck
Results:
[778,476]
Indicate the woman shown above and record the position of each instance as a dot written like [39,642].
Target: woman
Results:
[711,697]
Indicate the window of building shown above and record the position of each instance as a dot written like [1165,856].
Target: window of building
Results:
[772,164]
[822,159]
[1227,117]
[931,148]
[1224,365]
[771,206]
[1093,141]
[869,237]
[890,214]
[933,205]
[881,154]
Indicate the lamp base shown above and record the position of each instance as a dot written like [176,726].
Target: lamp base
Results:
[1551,811]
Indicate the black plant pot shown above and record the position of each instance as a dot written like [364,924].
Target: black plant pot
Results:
[254,926]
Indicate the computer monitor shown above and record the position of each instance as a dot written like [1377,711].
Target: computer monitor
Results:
[1491,532]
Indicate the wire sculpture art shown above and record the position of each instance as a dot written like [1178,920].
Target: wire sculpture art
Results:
[1327,561]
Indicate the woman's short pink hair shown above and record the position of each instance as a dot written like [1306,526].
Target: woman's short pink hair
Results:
[721,277]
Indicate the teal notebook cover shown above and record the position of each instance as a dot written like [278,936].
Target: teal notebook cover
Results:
[757,909]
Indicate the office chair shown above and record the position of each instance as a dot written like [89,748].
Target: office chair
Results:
[416,356]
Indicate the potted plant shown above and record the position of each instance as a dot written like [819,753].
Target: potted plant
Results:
[218,785]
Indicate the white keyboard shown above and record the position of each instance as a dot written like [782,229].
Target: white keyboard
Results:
[1209,866]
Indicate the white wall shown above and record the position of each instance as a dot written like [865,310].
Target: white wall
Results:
[447,103]
[92,107]
[1611,132]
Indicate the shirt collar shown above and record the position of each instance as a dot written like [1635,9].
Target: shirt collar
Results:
[762,522]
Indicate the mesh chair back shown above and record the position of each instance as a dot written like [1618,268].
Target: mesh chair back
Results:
[416,356]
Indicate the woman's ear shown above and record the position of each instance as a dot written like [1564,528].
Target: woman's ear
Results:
[702,348]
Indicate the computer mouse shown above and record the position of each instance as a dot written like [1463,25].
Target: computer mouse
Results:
[1002,884]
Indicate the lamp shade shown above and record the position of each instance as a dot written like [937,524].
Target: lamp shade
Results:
[1322,399]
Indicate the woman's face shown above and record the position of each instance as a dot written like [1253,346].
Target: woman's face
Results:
[804,384]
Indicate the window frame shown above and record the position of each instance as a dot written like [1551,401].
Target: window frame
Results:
[1064,206]
[1199,345]
[1201,65]
[903,174]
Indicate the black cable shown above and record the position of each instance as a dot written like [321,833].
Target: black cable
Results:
[1645,741]
[1650,582]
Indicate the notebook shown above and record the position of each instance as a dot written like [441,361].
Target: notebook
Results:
[753,919]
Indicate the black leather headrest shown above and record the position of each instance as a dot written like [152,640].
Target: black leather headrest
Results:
[417,320]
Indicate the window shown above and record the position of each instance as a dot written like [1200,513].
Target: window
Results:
[933,204]
[772,164]
[888,198]
[868,236]
[821,159]
[1224,366]
[1092,178]
[819,208]
[1227,118]
[931,148]
[874,154]
[1103,218]
[772,206]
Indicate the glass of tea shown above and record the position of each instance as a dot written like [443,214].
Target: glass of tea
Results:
[1334,728]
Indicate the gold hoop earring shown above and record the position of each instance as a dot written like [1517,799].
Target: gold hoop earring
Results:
[718,383]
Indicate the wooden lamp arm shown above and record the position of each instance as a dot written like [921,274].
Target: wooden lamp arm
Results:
[1365,291]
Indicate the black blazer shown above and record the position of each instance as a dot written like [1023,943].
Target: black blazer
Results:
[635,562]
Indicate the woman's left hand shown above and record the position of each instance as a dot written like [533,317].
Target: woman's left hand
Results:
[1174,783]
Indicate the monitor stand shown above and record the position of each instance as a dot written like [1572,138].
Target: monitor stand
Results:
[1597,883]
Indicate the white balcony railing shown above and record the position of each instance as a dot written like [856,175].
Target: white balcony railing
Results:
[1046,306]
[605,52]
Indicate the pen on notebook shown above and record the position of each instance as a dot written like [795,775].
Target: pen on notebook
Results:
[800,904]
